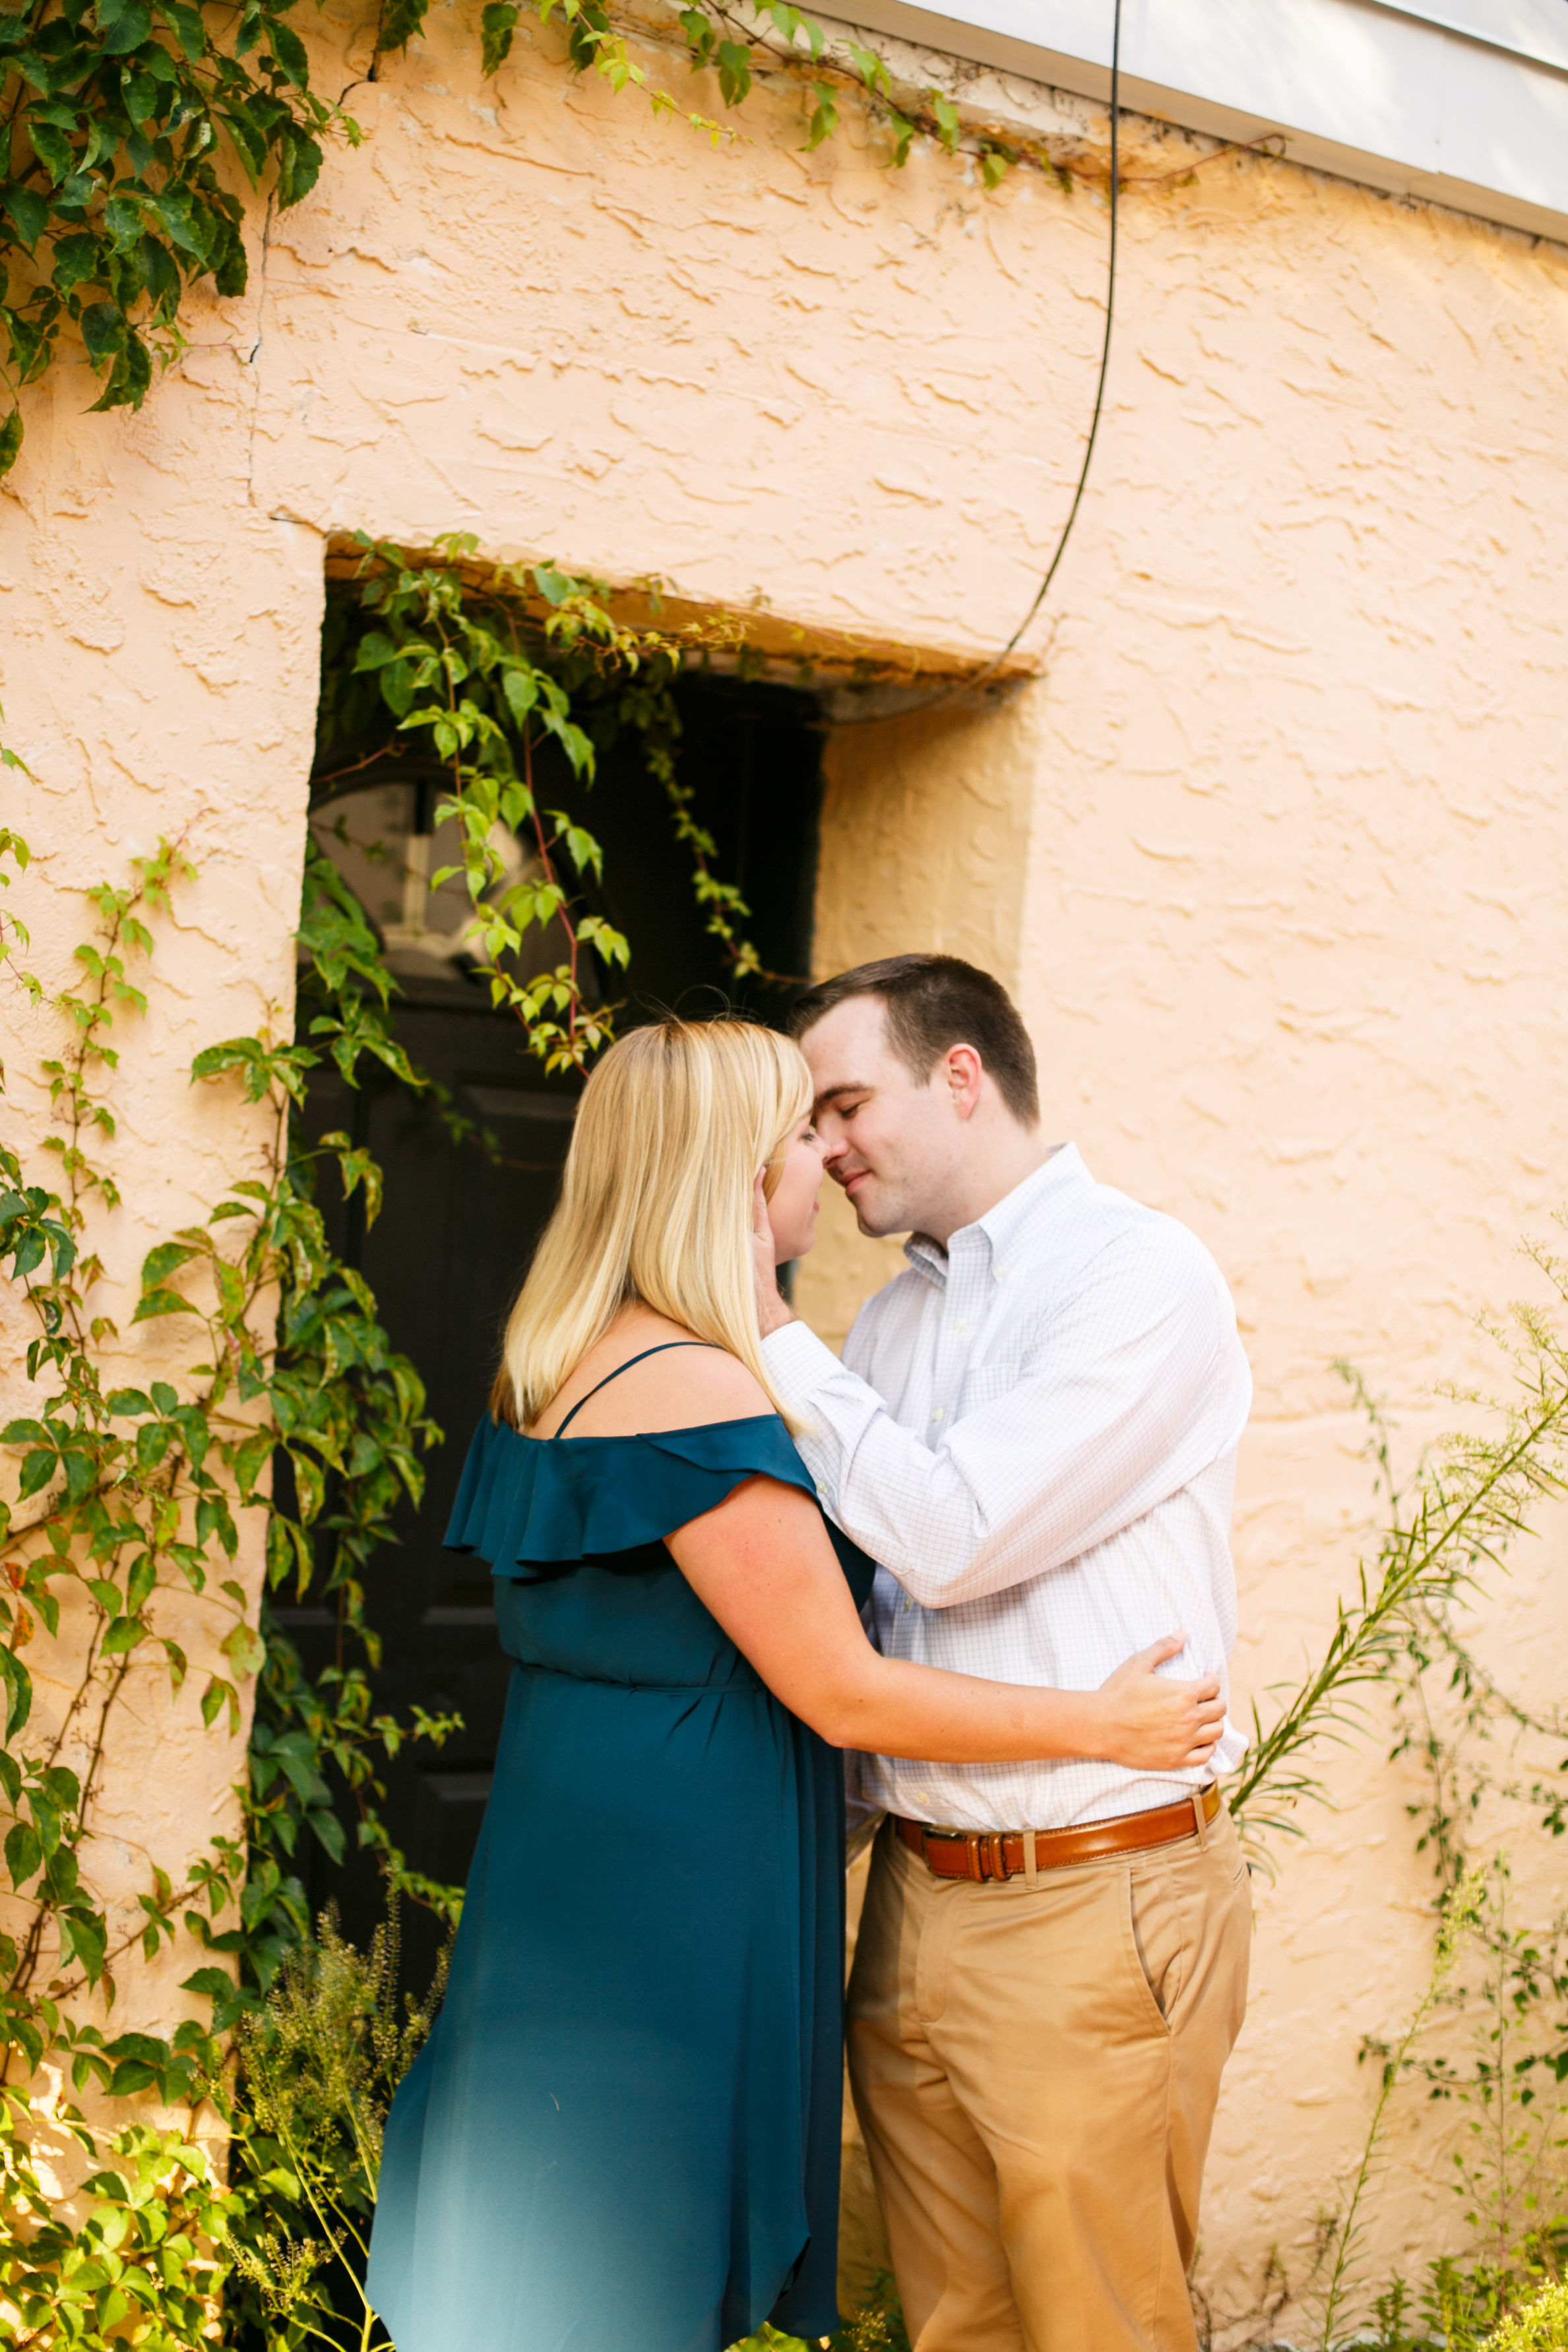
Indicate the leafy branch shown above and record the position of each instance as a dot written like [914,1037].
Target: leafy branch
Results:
[489,681]
[115,114]
[1468,1506]
[124,1494]
[116,117]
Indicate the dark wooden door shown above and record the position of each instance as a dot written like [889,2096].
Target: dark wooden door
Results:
[454,1239]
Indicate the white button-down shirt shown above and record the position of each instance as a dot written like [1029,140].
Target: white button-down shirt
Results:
[1034,1433]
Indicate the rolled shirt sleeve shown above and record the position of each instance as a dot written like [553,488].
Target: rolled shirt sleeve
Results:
[1130,1387]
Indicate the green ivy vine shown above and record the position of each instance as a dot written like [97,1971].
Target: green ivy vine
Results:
[292,1407]
[119,118]
[484,672]
[126,1497]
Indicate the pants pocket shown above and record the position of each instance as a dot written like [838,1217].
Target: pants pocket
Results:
[1157,1942]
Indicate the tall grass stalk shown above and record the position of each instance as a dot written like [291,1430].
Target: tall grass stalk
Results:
[1458,1914]
[1470,1503]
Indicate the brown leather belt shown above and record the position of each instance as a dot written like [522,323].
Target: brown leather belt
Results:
[1000,1853]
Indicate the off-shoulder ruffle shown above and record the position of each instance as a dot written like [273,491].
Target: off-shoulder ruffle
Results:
[524,1501]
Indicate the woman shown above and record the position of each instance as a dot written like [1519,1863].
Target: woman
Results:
[624,2130]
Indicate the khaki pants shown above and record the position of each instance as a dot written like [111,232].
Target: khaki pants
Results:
[1036,2069]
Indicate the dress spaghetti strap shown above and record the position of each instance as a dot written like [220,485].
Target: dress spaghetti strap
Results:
[626,1367]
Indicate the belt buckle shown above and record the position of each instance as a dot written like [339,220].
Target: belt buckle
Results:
[985,1855]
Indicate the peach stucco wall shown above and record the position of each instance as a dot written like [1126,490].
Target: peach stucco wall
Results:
[1271,850]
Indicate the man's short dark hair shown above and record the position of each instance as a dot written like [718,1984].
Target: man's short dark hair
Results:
[933,1001]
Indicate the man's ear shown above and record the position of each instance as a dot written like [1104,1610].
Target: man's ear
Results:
[963,1070]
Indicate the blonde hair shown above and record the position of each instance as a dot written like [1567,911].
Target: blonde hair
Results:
[656,1201]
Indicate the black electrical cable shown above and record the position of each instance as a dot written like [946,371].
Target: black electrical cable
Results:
[969,685]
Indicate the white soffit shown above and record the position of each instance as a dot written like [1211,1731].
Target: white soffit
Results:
[1464,102]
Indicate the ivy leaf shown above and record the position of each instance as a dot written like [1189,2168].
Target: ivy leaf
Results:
[29,213]
[605,941]
[522,689]
[86,1934]
[76,261]
[824,116]
[104,331]
[700,38]
[553,584]
[947,115]
[401,20]
[243,1648]
[160,1302]
[734,72]
[10,441]
[586,29]
[374,651]
[160,1262]
[133,2074]
[188,28]
[215,1983]
[214,1518]
[24,1853]
[993,166]
[19,1691]
[328,1830]
[496,24]
[288,50]
[871,69]
[582,847]
[298,165]
[53,150]
[38,1470]
[124,1636]
[249,139]
[218,1693]
[62,1785]
[123,26]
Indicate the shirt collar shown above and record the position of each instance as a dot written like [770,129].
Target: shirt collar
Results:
[1003,1227]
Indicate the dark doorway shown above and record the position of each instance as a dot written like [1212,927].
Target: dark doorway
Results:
[452,1243]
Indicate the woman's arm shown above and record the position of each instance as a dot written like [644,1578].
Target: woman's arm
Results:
[763,1564]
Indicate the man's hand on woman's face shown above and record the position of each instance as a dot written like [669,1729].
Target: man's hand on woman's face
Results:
[772,1313]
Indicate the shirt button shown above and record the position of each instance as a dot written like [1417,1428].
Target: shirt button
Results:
[961,1329]
[907,1602]
[937,1414]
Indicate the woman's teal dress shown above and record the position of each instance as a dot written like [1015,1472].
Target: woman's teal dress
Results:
[623,2134]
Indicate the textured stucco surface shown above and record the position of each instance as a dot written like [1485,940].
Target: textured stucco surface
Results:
[1274,852]
[157,679]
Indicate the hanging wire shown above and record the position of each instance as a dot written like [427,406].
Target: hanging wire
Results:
[967,686]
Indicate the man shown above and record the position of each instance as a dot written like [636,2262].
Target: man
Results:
[1034,1432]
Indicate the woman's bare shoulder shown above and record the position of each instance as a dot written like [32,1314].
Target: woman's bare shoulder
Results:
[681,1387]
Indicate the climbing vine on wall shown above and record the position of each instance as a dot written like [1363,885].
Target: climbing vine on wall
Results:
[122,122]
[292,1405]
[129,1502]
[502,678]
